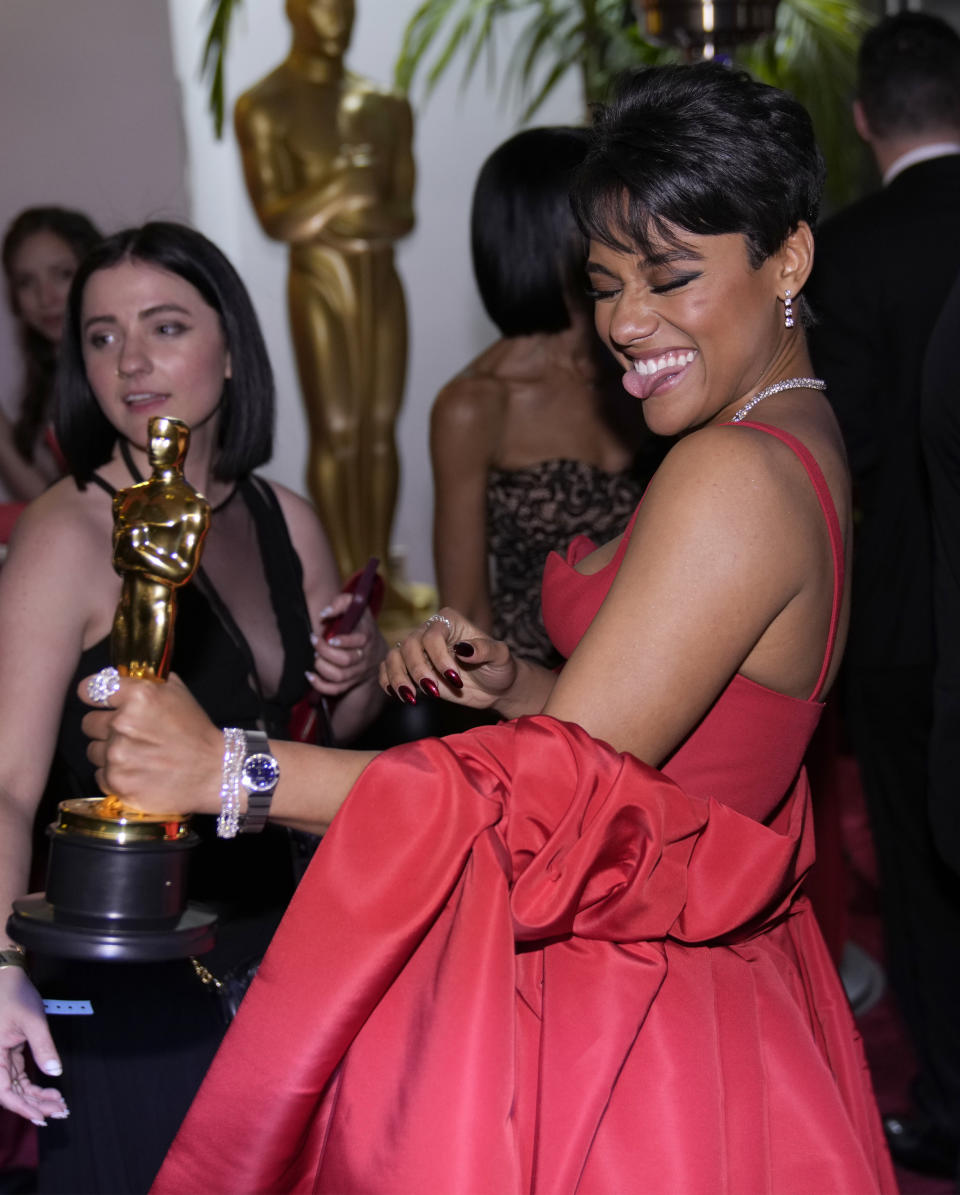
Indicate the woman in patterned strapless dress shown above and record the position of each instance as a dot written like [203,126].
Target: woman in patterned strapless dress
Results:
[532,443]
[571,952]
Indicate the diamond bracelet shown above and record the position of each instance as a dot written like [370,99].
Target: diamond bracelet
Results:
[234,750]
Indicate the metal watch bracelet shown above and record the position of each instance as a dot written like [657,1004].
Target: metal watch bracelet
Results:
[259,796]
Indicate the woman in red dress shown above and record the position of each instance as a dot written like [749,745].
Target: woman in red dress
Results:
[571,952]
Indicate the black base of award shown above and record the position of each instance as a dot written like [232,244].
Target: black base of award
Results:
[116,890]
[35,925]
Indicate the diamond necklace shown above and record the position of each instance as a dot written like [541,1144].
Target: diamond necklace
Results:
[786,384]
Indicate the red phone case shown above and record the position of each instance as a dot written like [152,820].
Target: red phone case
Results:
[366,588]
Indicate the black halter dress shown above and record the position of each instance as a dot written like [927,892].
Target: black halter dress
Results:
[131,1069]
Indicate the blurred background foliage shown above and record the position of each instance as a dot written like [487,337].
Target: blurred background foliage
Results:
[809,49]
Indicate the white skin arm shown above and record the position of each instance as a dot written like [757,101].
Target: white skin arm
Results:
[345,668]
[46,589]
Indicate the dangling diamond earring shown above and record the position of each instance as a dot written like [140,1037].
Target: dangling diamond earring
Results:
[787,310]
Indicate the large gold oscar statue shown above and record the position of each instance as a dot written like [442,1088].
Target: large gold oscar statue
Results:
[328,162]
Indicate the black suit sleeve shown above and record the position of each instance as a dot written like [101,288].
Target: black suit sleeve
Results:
[846,342]
[940,427]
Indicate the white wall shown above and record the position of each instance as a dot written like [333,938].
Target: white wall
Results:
[89,118]
[454,133]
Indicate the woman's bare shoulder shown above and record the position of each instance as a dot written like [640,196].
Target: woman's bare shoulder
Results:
[468,416]
[475,399]
[73,518]
[59,561]
[739,481]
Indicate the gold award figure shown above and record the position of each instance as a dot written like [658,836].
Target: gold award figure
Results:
[328,161]
[158,530]
[159,526]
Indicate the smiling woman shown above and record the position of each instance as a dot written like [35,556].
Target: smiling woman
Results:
[571,951]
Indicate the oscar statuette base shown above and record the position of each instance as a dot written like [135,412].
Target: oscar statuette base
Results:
[116,889]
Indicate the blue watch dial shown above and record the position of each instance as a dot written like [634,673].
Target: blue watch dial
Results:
[260,773]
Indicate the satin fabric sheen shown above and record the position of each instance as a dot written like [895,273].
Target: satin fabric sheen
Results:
[523,962]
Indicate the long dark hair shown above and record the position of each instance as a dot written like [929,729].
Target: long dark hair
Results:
[39,353]
[245,438]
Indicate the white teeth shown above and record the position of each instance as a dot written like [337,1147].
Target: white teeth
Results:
[667,361]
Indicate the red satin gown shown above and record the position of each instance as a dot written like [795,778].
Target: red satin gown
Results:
[522,962]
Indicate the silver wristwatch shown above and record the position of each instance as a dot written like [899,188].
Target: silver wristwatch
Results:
[259,776]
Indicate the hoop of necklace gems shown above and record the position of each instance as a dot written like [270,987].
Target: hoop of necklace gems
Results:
[786,384]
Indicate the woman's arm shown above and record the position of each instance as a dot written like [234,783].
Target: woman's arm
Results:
[25,480]
[130,746]
[729,568]
[464,426]
[345,669]
[48,591]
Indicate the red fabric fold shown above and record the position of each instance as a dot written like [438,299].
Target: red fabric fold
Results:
[523,962]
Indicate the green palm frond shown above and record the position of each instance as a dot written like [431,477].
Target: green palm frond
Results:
[812,53]
[214,55]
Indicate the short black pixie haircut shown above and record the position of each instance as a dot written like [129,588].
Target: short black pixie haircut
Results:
[701,149]
[86,436]
[528,254]
[908,75]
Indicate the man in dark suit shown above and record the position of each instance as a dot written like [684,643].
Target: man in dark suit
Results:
[884,267]
[940,426]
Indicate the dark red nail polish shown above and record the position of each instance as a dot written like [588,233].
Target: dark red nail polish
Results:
[454,678]
[430,687]
[463,649]
[391,691]
[407,694]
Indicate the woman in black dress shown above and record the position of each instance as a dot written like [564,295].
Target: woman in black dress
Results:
[157,322]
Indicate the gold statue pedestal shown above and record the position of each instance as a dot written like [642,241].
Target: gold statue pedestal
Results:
[117,889]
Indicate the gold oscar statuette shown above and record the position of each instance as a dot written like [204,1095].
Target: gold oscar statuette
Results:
[116,879]
[159,526]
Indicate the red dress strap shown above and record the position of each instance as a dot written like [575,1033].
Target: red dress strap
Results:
[825,498]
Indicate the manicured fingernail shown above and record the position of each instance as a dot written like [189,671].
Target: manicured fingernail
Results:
[463,649]
[325,612]
[454,678]
[314,639]
[51,1067]
[430,687]
[335,641]
[390,691]
[407,694]
[312,677]
[41,1124]
[60,1115]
